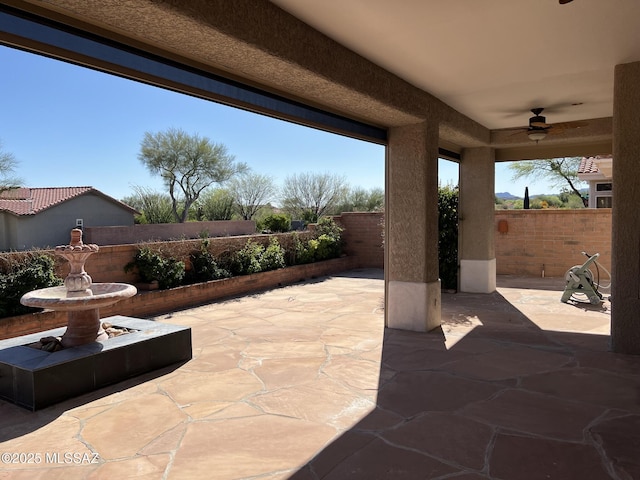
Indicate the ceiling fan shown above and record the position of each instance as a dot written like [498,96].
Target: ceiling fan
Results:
[538,127]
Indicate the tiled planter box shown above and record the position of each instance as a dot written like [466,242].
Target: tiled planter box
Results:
[150,303]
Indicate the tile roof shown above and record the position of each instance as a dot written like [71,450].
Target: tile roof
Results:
[30,201]
[590,164]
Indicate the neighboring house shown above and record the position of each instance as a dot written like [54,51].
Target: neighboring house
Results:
[598,172]
[43,217]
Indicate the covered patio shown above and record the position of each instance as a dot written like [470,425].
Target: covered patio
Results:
[426,79]
[305,382]
[359,376]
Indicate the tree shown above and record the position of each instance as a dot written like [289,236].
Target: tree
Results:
[250,192]
[359,199]
[8,165]
[215,204]
[188,164]
[309,195]
[155,207]
[558,171]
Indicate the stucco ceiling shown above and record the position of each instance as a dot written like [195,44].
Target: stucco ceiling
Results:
[492,60]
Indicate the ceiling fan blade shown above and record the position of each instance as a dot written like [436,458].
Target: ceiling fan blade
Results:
[575,124]
[561,127]
[519,131]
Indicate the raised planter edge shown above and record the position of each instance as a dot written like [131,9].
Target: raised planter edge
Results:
[156,302]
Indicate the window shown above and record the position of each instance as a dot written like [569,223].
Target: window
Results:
[604,187]
[604,202]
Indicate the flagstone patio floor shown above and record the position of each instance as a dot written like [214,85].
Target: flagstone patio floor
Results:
[305,382]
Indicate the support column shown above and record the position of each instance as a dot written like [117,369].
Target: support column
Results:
[625,239]
[476,221]
[411,232]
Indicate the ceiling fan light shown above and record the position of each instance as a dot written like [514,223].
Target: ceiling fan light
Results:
[537,135]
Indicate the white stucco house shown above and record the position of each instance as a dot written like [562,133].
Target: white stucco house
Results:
[43,217]
[598,172]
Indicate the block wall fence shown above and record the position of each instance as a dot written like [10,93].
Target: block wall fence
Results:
[363,237]
[362,240]
[525,241]
[533,239]
[550,240]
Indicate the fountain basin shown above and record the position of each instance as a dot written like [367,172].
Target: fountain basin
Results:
[35,379]
[83,308]
[98,295]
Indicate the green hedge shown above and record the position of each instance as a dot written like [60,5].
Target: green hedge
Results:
[448,236]
[253,257]
[30,272]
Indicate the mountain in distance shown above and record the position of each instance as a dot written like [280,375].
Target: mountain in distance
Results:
[506,196]
[509,196]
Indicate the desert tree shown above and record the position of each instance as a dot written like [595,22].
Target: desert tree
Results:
[308,196]
[559,172]
[250,192]
[155,207]
[359,199]
[8,165]
[188,164]
[215,204]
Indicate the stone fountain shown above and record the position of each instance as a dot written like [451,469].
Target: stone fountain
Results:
[79,296]
[35,378]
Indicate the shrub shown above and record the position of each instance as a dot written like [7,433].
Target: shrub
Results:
[204,266]
[247,259]
[298,251]
[448,236]
[152,266]
[273,256]
[328,226]
[32,272]
[309,253]
[254,258]
[329,239]
[277,222]
[327,247]
[295,250]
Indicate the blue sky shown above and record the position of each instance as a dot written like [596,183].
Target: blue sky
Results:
[71,126]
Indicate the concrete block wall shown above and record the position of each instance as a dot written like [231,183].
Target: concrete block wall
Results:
[363,237]
[551,240]
[108,264]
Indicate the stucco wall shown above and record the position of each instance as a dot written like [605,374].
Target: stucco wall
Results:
[51,227]
[7,231]
[551,239]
